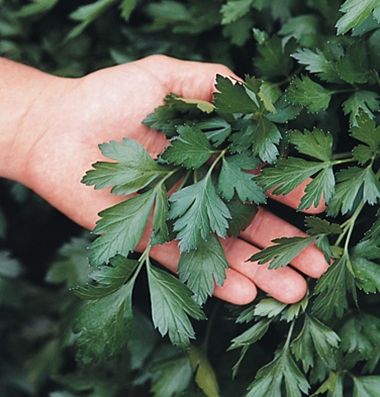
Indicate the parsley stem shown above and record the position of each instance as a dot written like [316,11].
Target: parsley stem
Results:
[343,161]
[221,155]
[289,337]
[343,155]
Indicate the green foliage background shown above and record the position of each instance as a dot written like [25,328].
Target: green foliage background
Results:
[43,255]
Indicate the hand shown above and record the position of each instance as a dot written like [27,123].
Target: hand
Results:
[109,105]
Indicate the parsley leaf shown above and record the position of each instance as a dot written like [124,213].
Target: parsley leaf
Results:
[104,322]
[361,101]
[288,174]
[315,340]
[367,274]
[198,211]
[366,386]
[232,98]
[190,148]
[307,93]
[282,252]
[354,183]
[355,12]
[316,62]
[134,170]
[121,227]
[269,378]
[233,178]
[171,305]
[203,267]
[261,135]
[316,143]
[331,290]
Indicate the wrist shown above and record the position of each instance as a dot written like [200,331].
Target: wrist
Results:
[31,102]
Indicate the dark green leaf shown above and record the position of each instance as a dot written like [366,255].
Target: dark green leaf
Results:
[190,148]
[171,305]
[203,267]
[282,252]
[121,227]
[233,178]
[198,211]
[307,93]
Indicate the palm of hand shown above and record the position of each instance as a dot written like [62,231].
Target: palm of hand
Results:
[109,105]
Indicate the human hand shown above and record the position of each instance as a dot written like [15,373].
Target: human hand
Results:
[109,105]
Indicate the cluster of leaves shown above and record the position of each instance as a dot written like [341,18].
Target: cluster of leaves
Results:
[311,111]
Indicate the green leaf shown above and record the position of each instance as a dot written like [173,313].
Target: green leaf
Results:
[127,7]
[174,112]
[171,305]
[321,187]
[103,325]
[333,385]
[233,178]
[108,279]
[331,290]
[9,267]
[216,129]
[198,211]
[282,252]
[355,12]
[37,7]
[160,233]
[288,173]
[361,101]
[234,10]
[269,94]
[316,143]
[360,339]
[251,335]
[315,340]
[302,28]
[354,183]
[203,267]
[272,59]
[353,67]
[87,14]
[367,132]
[242,215]
[316,62]
[307,93]
[232,98]
[72,266]
[268,307]
[366,386]
[367,274]
[261,135]
[190,148]
[205,376]
[134,170]
[282,369]
[171,376]
[121,227]
[317,226]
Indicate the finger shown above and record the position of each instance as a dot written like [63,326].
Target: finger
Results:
[188,79]
[236,289]
[285,284]
[293,199]
[266,227]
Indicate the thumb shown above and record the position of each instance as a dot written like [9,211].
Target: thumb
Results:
[188,79]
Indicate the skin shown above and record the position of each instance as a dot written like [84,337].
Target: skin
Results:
[49,134]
